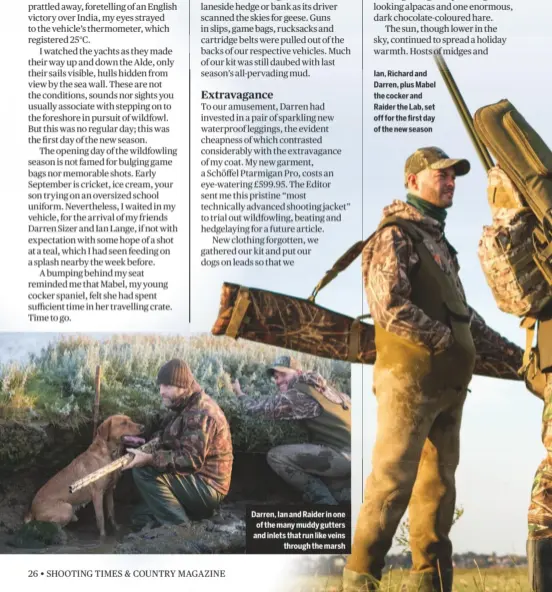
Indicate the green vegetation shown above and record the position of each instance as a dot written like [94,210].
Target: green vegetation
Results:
[37,535]
[402,536]
[57,386]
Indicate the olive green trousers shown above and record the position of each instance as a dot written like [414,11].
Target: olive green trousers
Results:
[175,498]
[414,461]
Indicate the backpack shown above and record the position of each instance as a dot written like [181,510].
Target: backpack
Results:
[525,158]
[506,256]
[518,286]
[516,250]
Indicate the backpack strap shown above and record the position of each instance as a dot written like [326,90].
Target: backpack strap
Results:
[535,379]
[528,323]
[353,252]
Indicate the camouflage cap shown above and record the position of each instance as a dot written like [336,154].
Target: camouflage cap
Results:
[433,158]
[284,364]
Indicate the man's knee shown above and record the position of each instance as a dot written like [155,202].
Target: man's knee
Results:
[144,474]
[278,456]
[277,459]
[394,475]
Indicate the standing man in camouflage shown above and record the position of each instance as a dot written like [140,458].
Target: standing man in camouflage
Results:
[539,542]
[189,475]
[425,334]
[326,415]
[506,199]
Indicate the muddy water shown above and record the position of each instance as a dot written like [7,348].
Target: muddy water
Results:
[82,540]
[82,536]
[78,542]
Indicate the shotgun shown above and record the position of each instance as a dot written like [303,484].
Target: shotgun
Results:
[464,112]
[111,467]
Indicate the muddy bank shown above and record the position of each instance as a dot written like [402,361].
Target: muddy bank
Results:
[223,533]
[253,482]
[32,453]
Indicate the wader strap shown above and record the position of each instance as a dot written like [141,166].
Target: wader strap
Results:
[240,308]
[450,296]
[534,378]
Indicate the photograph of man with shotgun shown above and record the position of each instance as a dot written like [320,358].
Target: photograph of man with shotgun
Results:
[515,252]
[188,474]
[424,333]
[319,469]
[429,344]
[411,375]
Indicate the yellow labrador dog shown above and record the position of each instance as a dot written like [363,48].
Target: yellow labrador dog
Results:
[54,503]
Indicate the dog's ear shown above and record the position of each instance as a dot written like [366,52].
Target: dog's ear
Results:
[104,429]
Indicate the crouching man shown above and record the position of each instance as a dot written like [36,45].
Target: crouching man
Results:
[321,468]
[189,475]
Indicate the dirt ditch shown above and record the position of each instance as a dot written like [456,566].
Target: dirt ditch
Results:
[30,454]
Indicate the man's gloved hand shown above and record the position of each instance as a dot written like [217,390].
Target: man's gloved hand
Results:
[140,459]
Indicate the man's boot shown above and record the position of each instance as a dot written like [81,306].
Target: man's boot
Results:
[429,582]
[358,582]
[539,559]
[317,492]
[340,489]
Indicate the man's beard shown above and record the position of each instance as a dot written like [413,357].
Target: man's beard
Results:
[438,199]
[172,403]
[449,196]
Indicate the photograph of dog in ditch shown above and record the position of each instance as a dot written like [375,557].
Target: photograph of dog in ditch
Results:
[57,502]
[165,450]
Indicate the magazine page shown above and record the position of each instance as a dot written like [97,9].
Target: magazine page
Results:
[176,397]
[228,223]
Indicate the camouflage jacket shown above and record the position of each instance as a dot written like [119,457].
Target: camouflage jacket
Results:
[294,404]
[388,261]
[195,438]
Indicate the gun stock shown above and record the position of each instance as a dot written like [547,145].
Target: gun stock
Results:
[111,467]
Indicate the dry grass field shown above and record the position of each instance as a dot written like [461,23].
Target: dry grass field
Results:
[466,580]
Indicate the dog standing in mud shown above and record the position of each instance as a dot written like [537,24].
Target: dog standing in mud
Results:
[54,502]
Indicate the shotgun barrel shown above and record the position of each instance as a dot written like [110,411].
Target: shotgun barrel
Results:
[464,112]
